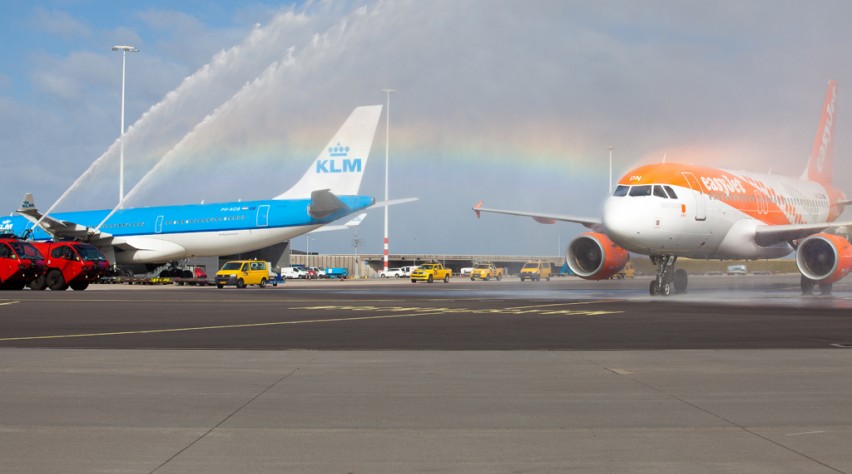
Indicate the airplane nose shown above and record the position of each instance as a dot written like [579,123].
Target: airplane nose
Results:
[621,219]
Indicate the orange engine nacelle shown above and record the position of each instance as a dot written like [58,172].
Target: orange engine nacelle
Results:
[592,256]
[824,258]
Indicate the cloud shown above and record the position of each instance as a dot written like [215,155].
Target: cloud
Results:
[59,23]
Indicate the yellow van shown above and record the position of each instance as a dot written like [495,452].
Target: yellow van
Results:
[242,273]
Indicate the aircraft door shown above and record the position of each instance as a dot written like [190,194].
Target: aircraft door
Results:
[263,215]
[700,196]
[158,228]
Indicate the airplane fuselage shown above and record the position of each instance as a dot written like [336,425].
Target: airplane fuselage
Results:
[161,234]
[710,213]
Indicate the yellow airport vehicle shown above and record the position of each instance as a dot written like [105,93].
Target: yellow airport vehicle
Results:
[430,272]
[535,270]
[486,271]
[242,273]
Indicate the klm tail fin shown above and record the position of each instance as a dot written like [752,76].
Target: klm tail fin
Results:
[821,161]
[340,166]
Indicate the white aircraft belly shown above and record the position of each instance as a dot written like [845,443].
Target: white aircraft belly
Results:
[206,244]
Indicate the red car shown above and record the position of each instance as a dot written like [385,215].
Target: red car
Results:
[73,264]
[20,263]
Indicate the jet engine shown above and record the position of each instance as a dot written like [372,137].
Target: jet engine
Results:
[824,258]
[592,256]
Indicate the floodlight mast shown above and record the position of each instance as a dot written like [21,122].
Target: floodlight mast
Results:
[387,144]
[124,50]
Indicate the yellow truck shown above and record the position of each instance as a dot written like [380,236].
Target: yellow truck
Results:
[535,270]
[430,272]
[486,271]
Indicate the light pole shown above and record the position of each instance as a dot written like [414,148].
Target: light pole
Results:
[387,144]
[610,170]
[124,50]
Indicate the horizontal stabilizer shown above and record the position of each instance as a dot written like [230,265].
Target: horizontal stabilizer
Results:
[324,204]
[393,202]
[354,222]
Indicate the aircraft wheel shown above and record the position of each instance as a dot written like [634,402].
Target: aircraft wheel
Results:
[666,289]
[681,280]
[241,283]
[55,281]
[807,286]
[263,282]
[654,290]
[39,283]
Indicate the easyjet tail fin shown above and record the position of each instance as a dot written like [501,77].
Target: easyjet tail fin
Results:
[340,166]
[821,161]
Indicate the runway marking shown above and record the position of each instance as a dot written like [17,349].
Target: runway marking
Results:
[207,328]
[6,303]
[805,433]
[410,312]
[512,311]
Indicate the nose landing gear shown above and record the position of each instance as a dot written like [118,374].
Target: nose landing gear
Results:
[668,279]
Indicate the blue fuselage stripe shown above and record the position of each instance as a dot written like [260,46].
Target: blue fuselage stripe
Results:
[194,218]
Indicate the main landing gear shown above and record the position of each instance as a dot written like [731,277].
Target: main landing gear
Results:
[808,287]
[668,279]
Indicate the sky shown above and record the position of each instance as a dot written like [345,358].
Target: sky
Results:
[511,102]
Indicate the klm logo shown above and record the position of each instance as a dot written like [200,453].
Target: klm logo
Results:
[339,163]
[6,225]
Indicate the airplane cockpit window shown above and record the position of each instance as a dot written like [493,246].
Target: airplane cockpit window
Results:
[670,192]
[621,190]
[644,190]
[659,192]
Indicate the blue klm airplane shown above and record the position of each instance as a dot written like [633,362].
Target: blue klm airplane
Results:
[153,235]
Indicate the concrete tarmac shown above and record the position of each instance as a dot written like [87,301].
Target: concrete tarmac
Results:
[470,377]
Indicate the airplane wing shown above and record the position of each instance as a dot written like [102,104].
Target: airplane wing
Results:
[766,235]
[541,217]
[59,229]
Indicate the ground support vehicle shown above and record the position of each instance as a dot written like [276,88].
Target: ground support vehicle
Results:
[429,272]
[20,263]
[294,272]
[535,270]
[406,271]
[196,276]
[392,273]
[74,264]
[627,272]
[486,271]
[337,272]
[241,273]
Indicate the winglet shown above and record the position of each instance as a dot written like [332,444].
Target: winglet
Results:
[476,209]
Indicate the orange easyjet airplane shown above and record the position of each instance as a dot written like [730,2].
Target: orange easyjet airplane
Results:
[671,210]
